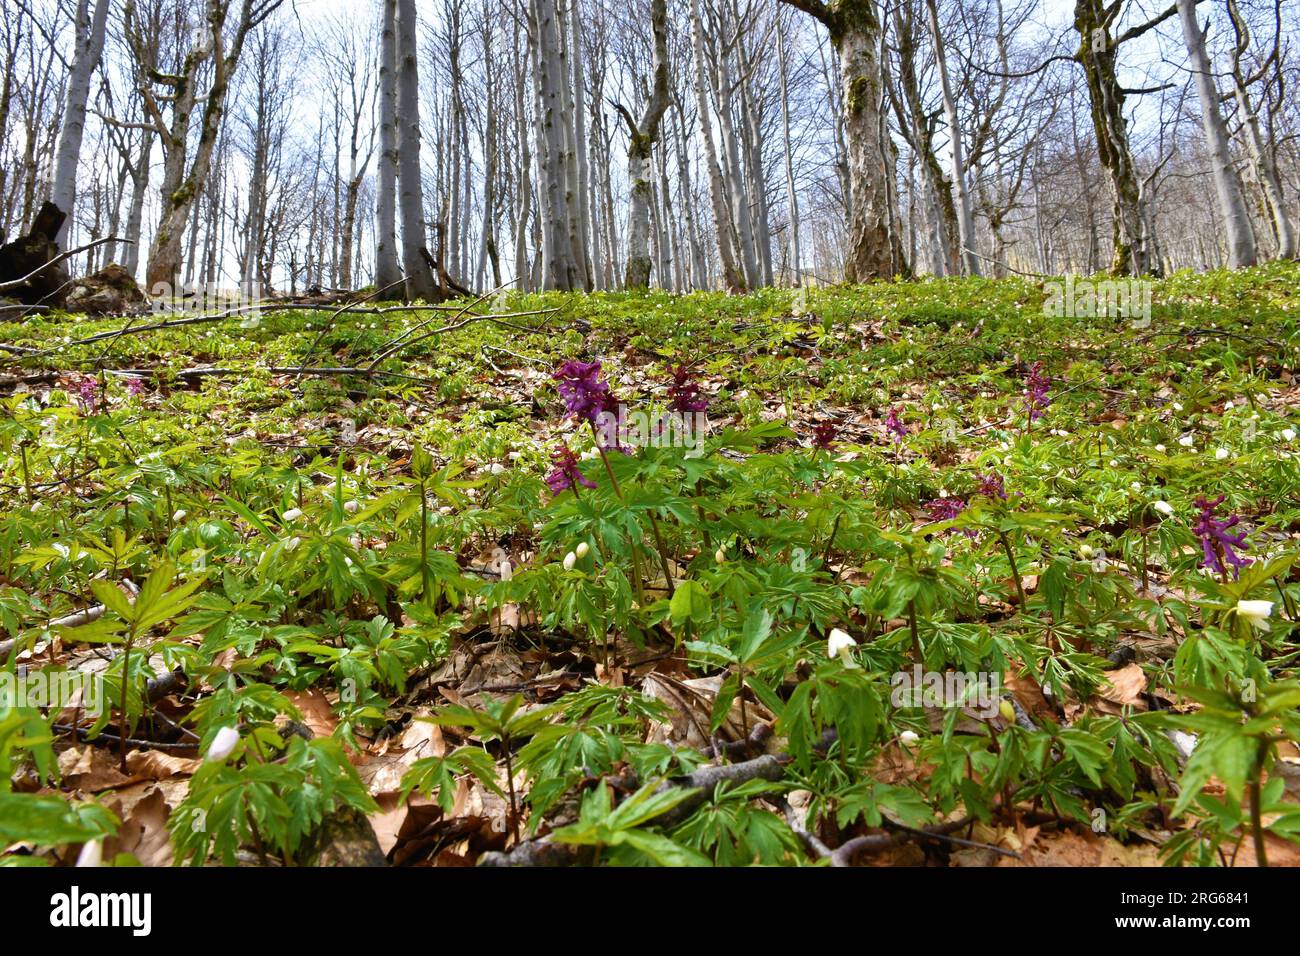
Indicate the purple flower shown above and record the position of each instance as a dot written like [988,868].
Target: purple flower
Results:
[824,434]
[1036,386]
[88,392]
[135,386]
[1217,541]
[565,473]
[991,486]
[945,509]
[585,395]
[684,393]
[894,425]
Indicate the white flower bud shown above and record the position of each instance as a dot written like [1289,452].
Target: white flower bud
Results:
[839,643]
[1256,612]
[293,514]
[570,560]
[92,853]
[223,744]
[1164,507]
[908,737]
[582,549]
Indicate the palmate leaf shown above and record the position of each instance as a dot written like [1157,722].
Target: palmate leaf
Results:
[52,820]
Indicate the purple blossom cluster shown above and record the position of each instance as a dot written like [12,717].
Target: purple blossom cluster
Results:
[88,393]
[584,392]
[564,473]
[1036,386]
[684,392]
[824,434]
[991,485]
[945,509]
[135,387]
[1218,542]
[894,425]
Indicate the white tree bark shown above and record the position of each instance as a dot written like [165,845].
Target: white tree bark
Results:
[89,46]
[965,214]
[1284,230]
[1232,204]
[642,136]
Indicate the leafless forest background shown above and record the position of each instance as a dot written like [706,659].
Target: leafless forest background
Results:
[458,145]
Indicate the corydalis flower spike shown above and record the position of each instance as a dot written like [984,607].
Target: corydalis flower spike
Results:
[824,434]
[1036,386]
[1218,543]
[991,486]
[584,393]
[684,392]
[565,473]
[894,425]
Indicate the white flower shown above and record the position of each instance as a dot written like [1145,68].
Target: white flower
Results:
[1086,551]
[1135,487]
[1178,406]
[839,643]
[292,544]
[293,514]
[908,737]
[351,507]
[1220,454]
[496,468]
[92,854]
[1160,448]
[223,744]
[720,555]
[179,515]
[1186,441]
[1164,507]
[1256,612]
[582,549]
[1288,434]
[570,560]
[1185,743]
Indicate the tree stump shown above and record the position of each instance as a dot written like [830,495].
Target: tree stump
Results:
[28,254]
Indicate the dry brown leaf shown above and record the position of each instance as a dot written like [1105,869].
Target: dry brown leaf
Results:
[92,769]
[317,711]
[383,773]
[156,765]
[144,832]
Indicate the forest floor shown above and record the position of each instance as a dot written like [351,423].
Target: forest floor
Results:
[268,605]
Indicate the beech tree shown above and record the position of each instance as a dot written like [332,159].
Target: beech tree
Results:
[874,247]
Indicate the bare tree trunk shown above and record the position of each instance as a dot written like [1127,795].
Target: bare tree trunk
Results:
[792,197]
[89,45]
[387,271]
[724,227]
[1232,204]
[420,283]
[1284,231]
[642,136]
[561,268]
[1097,54]
[965,217]
[874,248]
[582,214]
